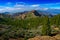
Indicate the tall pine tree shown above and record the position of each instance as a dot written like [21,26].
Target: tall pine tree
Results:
[46,29]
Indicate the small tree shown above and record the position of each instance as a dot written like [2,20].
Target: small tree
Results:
[46,29]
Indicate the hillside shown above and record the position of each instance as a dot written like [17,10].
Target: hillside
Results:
[31,14]
[27,25]
[26,14]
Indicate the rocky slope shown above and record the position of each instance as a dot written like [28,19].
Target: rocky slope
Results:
[57,37]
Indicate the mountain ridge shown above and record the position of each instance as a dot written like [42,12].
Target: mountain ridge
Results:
[26,14]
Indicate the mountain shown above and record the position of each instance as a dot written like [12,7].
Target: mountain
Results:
[31,14]
[5,15]
[53,11]
[45,13]
[27,14]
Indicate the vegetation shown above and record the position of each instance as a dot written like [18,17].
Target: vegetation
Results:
[46,29]
[29,27]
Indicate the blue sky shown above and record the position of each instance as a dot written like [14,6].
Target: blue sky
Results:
[23,5]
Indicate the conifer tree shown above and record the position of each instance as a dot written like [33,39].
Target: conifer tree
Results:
[46,29]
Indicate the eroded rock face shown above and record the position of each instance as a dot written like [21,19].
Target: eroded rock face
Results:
[57,37]
[43,38]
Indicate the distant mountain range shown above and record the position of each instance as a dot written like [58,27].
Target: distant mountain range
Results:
[48,11]
[51,11]
[31,14]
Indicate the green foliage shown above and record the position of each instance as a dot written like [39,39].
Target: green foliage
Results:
[18,27]
[46,29]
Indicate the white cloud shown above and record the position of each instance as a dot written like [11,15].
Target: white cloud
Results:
[52,4]
[20,3]
[20,6]
[45,8]
[35,5]
[24,6]
[9,9]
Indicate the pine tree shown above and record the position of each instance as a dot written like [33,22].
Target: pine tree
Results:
[57,20]
[46,29]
